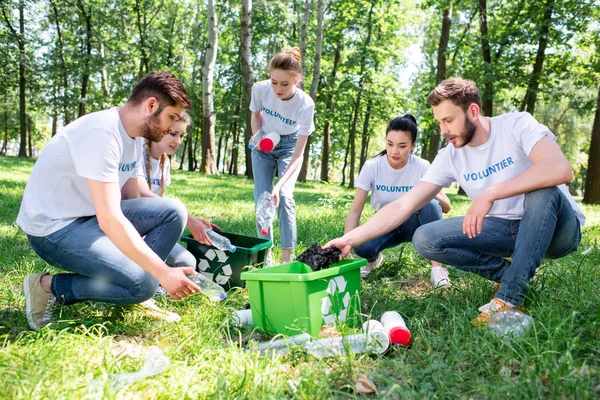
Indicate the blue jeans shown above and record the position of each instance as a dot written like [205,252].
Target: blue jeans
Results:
[101,272]
[181,257]
[402,234]
[549,229]
[264,166]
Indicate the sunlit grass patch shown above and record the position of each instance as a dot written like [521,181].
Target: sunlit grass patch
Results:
[448,357]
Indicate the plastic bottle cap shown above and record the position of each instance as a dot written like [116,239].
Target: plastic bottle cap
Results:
[267,145]
[400,335]
[232,249]
[265,231]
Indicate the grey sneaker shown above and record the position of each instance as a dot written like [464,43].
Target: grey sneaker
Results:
[366,271]
[39,304]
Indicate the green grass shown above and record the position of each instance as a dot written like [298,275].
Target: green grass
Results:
[448,358]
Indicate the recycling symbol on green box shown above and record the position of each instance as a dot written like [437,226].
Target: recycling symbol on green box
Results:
[219,256]
[336,289]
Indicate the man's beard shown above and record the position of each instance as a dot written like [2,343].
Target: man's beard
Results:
[151,129]
[467,133]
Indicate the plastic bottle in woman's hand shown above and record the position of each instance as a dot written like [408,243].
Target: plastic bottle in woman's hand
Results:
[265,212]
[255,139]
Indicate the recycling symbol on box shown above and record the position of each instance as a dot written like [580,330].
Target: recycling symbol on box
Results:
[219,256]
[335,289]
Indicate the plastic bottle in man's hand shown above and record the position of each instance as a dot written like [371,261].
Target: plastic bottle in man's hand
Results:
[220,241]
[209,288]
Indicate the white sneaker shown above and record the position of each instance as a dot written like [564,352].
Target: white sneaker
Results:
[366,271]
[440,278]
[153,310]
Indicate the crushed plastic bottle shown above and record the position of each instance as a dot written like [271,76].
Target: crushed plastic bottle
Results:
[509,323]
[212,289]
[255,139]
[156,363]
[337,345]
[283,344]
[265,212]
[220,241]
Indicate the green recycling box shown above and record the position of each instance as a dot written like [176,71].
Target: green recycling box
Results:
[225,267]
[292,298]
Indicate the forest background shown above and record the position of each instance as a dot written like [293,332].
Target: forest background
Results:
[364,61]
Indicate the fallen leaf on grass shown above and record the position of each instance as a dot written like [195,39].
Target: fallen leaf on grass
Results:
[328,331]
[364,386]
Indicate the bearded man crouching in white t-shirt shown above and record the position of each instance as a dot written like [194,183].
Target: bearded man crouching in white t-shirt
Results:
[82,212]
[514,173]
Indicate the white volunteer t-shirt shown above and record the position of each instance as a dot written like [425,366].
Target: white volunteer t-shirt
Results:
[94,146]
[283,117]
[502,157]
[155,175]
[388,184]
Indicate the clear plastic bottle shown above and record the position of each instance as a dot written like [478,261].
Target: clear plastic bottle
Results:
[265,212]
[220,241]
[255,139]
[212,289]
[333,346]
[283,344]
[509,323]
[156,363]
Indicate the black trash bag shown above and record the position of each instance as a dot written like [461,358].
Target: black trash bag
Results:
[317,258]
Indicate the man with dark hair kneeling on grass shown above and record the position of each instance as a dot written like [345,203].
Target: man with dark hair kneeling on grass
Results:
[82,213]
[514,173]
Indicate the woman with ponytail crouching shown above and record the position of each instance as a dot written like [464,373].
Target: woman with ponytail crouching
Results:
[389,175]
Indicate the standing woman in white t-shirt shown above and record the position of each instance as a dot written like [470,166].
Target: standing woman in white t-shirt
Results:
[278,105]
[388,176]
[157,176]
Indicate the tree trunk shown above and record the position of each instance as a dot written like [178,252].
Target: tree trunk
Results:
[314,85]
[88,56]
[328,111]
[63,66]
[304,34]
[246,57]
[185,143]
[364,149]
[5,144]
[193,113]
[54,111]
[208,164]
[235,143]
[361,84]
[345,162]
[29,136]
[592,180]
[440,75]
[219,148]
[104,71]
[141,23]
[530,98]
[488,88]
